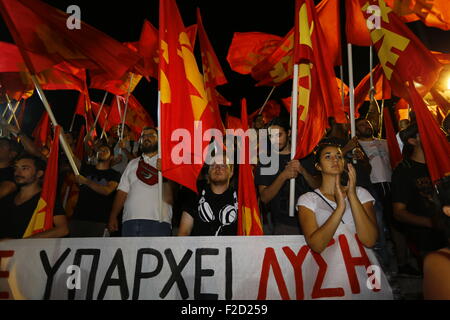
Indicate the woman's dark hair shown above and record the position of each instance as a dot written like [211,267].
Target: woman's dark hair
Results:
[319,149]
[282,122]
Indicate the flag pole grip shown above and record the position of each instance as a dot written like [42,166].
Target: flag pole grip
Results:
[294,104]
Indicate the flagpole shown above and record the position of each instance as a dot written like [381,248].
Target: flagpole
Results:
[371,67]
[13,115]
[351,90]
[160,177]
[126,106]
[294,104]
[73,121]
[8,102]
[341,71]
[267,99]
[380,132]
[62,138]
[119,108]
[7,106]
[13,110]
[98,115]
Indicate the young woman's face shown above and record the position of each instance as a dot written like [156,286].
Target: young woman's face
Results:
[331,161]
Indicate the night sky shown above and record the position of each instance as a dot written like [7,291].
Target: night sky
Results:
[123,20]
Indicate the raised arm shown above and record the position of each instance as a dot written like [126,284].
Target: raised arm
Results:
[319,237]
[363,214]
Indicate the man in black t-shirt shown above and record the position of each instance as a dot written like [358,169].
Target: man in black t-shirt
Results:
[18,207]
[97,188]
[274,188]
[412,196]
[214,211]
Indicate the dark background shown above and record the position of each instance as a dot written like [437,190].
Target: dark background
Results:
[123,20]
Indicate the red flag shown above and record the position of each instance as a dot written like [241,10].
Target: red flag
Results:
[432,138]
[84,109]
[40,28]
[233,122]
[442,102]
[213,75]
[79,147]
[184,101]
[41,132]
[356,24]
[381,86]
[147,48]
[247,49]
[395,153]
[328,13]
[318,96]
[137,117]
[271,110]
[62,76]
[11,84]
[249,218]
[103,115]
[434,13]
[402,55]
[42,218]
[119,87]
[402,110]
[277,67]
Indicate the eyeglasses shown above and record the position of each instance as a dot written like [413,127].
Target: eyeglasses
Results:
[150,135]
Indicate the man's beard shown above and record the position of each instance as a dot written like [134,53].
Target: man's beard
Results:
[219,182]
[149,148]
[23,183]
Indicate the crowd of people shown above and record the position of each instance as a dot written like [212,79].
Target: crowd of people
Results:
[346,183]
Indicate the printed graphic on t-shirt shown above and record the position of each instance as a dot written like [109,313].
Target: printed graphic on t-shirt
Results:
[227,214]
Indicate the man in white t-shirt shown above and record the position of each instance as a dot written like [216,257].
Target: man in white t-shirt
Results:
[138,194]
[125,149]
[377,152]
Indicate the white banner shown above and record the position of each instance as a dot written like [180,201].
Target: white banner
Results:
[225,268]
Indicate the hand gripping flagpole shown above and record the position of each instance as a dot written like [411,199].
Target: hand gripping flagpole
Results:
[293,137]
[62,139]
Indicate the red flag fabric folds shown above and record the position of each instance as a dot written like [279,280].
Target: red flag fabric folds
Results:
[42,218]
[432,138]
[247,49]
[402,55]
[318,95]
[185,109]
[356,24]
[395,154]
[42,29]
[434,13]
[249,219]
